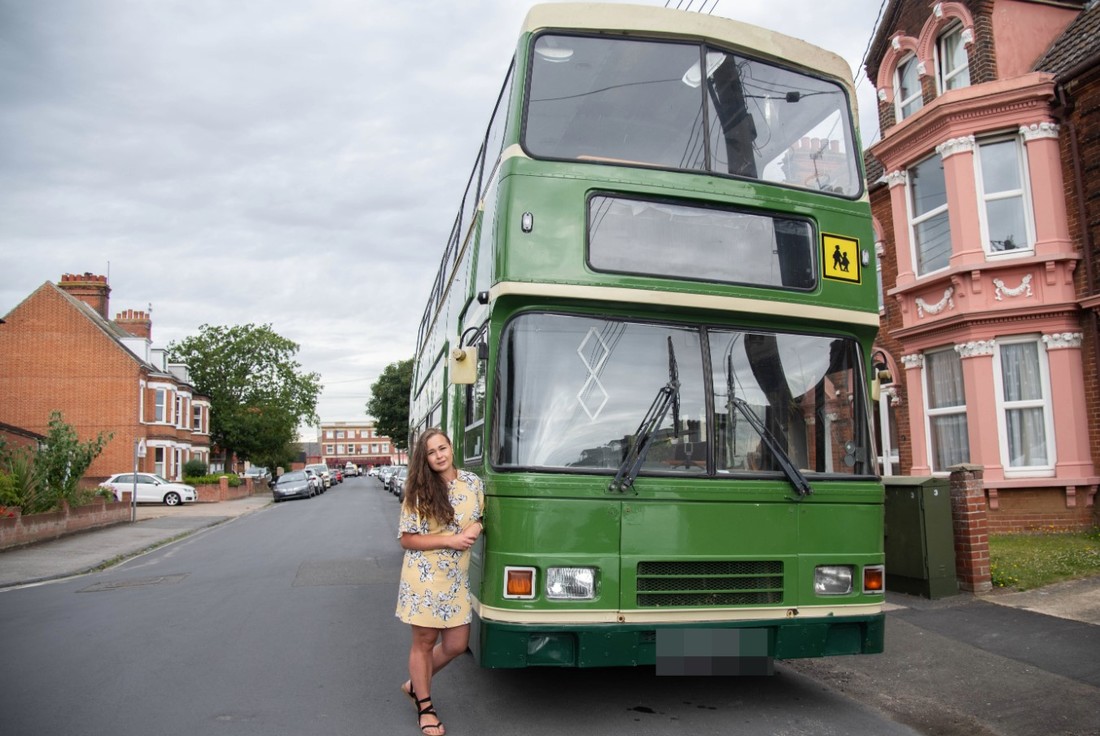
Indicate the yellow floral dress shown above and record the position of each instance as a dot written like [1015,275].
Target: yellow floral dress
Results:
[435,583]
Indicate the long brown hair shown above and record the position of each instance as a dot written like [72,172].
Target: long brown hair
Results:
[425,489]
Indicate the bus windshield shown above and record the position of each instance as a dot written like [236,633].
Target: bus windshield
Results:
[647,103]
[573,390]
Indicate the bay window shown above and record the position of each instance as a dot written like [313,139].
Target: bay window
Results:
[1002,188]
[949,442]
[928,215]
[1024,401]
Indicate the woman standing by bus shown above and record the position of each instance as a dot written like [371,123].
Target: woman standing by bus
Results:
[440,521]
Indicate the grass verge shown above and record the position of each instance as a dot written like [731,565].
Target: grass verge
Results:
[1026,561]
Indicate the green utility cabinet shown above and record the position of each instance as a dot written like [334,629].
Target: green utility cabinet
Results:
[920,539]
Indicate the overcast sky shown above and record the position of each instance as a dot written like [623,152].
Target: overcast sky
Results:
[277,162]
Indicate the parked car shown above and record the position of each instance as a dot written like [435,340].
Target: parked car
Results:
[384,474]
[352,469]
[318,482]
[321,470]
[151,488]
[293,484]
[337,475]
[397,482]
[257,473]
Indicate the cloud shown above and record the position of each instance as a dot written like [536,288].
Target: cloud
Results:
[280,162]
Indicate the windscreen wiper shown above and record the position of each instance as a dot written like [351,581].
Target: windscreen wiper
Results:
[794,475]
[667,396]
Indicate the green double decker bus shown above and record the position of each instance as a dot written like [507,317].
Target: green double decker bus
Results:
[650,336]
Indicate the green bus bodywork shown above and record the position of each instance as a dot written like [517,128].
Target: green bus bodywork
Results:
[556,281]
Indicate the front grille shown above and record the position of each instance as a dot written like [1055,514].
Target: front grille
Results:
[709,583]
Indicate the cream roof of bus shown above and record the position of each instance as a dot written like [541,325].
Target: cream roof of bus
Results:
[656,21]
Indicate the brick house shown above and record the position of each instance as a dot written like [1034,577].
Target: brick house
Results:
[357,442]
[60,351]
[981,209]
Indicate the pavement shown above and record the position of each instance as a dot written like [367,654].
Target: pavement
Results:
[1002,663]
[97,549]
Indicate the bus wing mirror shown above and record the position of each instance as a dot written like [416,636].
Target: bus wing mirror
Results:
[463,365]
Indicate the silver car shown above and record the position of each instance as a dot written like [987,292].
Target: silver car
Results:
[294,484]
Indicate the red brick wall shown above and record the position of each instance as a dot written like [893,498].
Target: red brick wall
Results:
[1030,510]
[1082,125]
[20,530]
[53,357]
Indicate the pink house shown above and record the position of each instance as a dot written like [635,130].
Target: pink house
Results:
[986,334]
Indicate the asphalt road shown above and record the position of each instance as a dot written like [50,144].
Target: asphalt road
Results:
[281,622]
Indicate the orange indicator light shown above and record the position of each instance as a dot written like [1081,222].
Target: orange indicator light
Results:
[520,583]
[873,579]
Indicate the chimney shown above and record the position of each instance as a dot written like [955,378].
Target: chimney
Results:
[137,323]
[88,288]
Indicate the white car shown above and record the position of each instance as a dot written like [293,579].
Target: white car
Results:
[321,470]
[151,488]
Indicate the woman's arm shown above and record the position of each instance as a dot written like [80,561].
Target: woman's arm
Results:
[461,541]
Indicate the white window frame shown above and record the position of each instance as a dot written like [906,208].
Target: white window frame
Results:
[916,220]
[159,456]
[945,76]
[1023,193]
[901,103]
[889,456]
[879,250]
[1043,402]
[930,413]
[160,405]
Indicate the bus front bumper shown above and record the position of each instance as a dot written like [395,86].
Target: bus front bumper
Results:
[720,648]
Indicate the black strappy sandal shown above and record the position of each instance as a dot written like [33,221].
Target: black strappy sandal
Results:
[410,692]
[428,710]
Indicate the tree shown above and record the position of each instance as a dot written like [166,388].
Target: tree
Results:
[389,402]
[258,393]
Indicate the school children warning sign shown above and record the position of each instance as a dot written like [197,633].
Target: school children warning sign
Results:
[840,258]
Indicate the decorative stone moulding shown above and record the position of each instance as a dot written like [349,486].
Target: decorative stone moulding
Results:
[922,70]
[964,144]
[968,36]
[1036,131]
[913,361]
[1023,289]
[947,302]
[891,393]
[1063,340]
[976,348]
[882,95]
[896,179]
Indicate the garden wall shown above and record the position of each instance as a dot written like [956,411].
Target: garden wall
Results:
[17,530]
[222,491]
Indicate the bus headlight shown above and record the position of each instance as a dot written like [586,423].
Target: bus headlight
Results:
[571,583]
[833,579]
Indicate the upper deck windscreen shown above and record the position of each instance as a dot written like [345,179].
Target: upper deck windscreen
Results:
[648,103]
